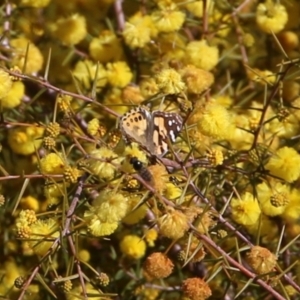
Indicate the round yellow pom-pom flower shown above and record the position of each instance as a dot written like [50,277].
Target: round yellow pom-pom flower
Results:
[168,18]
[158,265]
[151,236]
[107,47]
[30,202]
[285,164]
[106,211]
[262,76]
[14,96]
[35,3]
[201,55]
[197,80]
[289,40]
[110,206]
[261,260]
[85,73]
[52,164]
[41,234]
[271,17]
[292,210]
[245,210]
[98,163]
[119,74]
[84,255]
[214,121]
[34,59]
[25,140]
[138,31]
[148,87]
[273,197]
[5,84]
[71,30]
[136,212]
[133,246]
[169,81]
[196,7]
[98,228]
[266,228]
[173,224]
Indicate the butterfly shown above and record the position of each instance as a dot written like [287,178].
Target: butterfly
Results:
[151,129]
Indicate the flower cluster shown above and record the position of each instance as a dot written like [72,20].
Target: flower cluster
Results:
[99,207]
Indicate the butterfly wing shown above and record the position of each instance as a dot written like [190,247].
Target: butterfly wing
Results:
[165,126]
[135,125]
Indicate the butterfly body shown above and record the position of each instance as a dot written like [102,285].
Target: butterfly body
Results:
[151,129]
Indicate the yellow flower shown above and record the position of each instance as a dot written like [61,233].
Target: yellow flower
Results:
[34,59]
[114,100]
[98,228]
[71,174]
[169,81]
[149,87]
[245,210]
[262,76]
[24,221]
[43,233]
[52,164]
[266,228]
[214,121]
[160,177]
[289,40]
[84,255]
[71,30]
[35,3]
[168,18]
[137,31]
[106,211]
[290,92]
[196,289]
[118,74]
[105,48]
[273,197]
[75,293]
[30,202]
[271,17]
[131,94]
[5,84]
[173,224]
[201,55]
[196,7]
[25,140]
[286,127]
[172,191]
[85,73]
[110,206]
[147,293]
[285,164]
[292,210]
[151,236]
[11,270]
[98,163]
[215,157]
[53,190]
[158,265]
[261,260]
[197,80]
[133,246]
[136,212]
